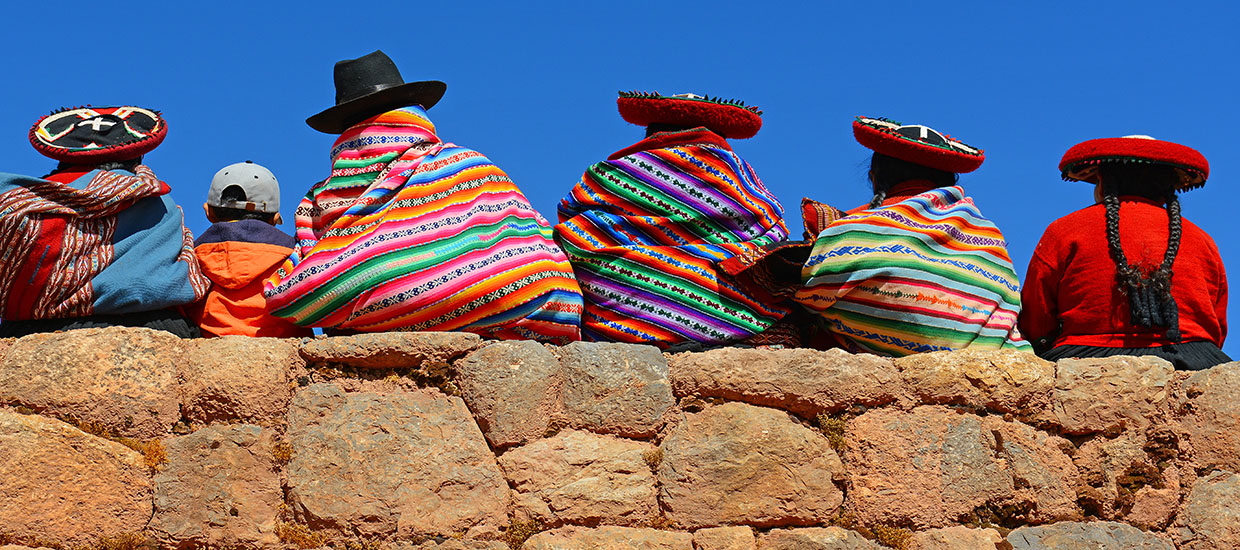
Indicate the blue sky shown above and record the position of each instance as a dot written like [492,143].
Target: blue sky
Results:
[533,86]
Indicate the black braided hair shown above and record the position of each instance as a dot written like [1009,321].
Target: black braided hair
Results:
[887,171]
[1149,296]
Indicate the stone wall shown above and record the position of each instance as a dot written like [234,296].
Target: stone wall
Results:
[132,438]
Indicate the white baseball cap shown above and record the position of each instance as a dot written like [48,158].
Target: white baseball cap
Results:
[262,191]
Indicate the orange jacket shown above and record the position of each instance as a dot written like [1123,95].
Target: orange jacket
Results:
[237,260]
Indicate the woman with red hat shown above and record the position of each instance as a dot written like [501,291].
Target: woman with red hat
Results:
[1129,275]
[646,229]
[918,269]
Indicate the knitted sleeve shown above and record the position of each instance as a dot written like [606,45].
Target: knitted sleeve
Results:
[1039,314]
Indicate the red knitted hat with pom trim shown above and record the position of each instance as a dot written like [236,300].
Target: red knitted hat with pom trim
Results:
[95,135]
[917,144]
[727,117]
[1081,162]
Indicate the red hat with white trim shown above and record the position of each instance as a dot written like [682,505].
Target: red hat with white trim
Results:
[1080,163]
[917,144]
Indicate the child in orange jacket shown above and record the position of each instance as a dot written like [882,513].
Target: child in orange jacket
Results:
[240,250]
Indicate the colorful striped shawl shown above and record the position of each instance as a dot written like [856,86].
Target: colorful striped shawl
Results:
[645,233]
[410,233]
[927,273]
[106,242]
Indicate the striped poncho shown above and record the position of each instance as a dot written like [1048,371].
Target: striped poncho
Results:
[927,273]
[410,233]
[645,231]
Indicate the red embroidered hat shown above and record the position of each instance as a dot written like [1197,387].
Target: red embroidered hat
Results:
[729,118]
[1081,162]
[917,144]
[93,135]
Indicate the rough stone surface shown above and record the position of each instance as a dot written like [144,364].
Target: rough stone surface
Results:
[391,350]
[1211,515]
[120,378]
[220,487]
[405,463]
[815,538]
[513,389]
[1102,535]
[1109,394]
[955,538]
[724,538]
[740,464]
[1126,478]
[583,479]
[1210,416]
[238,379]
[453,544]
[615,388]
[934,466]
[803,381]
[1006,381]
[609,538]
[59,484]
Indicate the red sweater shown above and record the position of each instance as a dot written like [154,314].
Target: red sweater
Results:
[1071,280]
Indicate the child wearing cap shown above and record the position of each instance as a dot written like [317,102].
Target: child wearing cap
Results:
[239,251]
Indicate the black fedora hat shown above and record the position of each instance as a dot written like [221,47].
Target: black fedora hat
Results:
[370,85]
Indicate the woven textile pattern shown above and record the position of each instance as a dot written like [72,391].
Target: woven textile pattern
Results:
[645,233]
[410,233]
[61,257]
[928,273]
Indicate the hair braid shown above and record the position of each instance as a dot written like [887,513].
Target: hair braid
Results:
[880,195]
[1149,298]
[1162,276]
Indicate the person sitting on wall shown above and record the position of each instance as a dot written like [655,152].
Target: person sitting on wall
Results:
[920,268]
[412,233]
[240,251]
[1129,275]
[646,229]
[98,241]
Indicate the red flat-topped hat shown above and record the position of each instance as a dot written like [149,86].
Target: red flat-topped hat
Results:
[729,118]
[917,144]
[95,135]
[1081,162]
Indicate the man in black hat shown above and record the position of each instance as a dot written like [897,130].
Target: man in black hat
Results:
[411,233]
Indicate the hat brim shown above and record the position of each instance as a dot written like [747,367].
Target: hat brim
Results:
[729,121]
[886,141]
[1078,162]
[338,118]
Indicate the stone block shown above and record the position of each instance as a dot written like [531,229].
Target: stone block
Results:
[802,381]
[1209,412]
[121,379]
[238,379]
[513,390]
[619,389]
[1099,535]
[220,488]
[815,538]
[391,350]
[724,538]
[1210,518]
[934,466]
[1109,394]
[60,484]
[407,464]
[956,538]
[1005,381]
[737,464]
[609,538]
[582,478]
